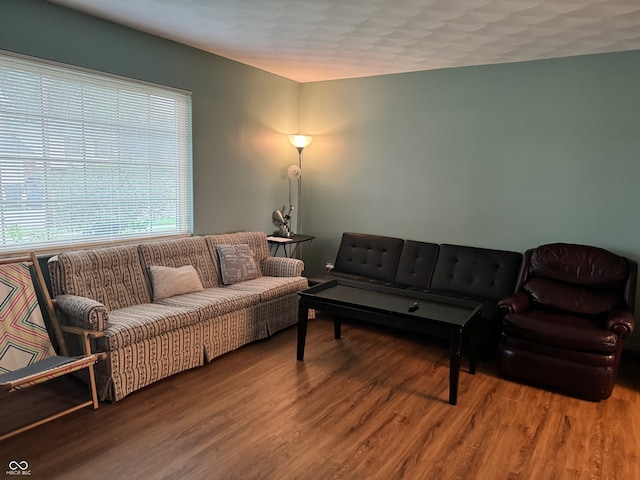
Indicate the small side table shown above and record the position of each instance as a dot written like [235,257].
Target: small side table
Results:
[291,242]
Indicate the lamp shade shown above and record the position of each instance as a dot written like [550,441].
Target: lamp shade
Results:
[300,141]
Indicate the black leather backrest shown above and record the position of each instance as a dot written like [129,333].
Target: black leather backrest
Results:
[476,271]
[417,260]
[371,256]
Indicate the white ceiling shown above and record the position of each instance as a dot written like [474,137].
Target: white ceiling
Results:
[310,40]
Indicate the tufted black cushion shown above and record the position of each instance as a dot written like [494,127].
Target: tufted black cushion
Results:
[417,260]
[371,256]
[475,271]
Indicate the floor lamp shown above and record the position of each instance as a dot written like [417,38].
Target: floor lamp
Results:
[295,173]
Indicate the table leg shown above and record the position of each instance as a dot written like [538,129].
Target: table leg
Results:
[454,365]
[473,344]
[303,315]
[337,324]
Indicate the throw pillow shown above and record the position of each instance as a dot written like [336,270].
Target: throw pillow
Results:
[169,281]
[237,263]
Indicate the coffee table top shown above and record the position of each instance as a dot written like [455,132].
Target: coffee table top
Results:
[394,301]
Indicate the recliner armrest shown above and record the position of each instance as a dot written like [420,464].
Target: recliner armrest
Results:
[516,303]
[621,322]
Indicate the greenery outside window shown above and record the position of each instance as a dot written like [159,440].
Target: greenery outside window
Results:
[89,158]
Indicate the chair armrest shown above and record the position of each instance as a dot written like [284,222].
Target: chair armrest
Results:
[82,332]
[83,312]
[282,267]
[86,336]
[516,303]
[620,322]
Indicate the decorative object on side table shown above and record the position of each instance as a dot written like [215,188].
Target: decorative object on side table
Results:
[282,222]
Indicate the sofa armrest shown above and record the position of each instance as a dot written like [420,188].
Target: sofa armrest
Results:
[621,322]
[83,312]
[282,267]
[516,303]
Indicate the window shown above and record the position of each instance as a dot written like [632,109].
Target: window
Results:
[87,158]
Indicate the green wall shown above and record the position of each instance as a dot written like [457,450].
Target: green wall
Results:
[504,156]
[240,114]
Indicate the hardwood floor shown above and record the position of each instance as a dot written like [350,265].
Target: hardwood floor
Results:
[370,406]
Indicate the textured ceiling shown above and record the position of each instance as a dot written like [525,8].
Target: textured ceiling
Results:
[310,40]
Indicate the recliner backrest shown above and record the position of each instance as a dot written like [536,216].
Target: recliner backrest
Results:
[579,265]
[371,256]
[577,278]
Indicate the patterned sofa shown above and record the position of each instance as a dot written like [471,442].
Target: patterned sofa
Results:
[147,339]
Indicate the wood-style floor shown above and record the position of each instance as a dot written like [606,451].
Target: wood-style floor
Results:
[370,406]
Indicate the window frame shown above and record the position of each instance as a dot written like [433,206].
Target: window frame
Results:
[178,157]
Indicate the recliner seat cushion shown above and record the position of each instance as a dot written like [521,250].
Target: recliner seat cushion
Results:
[566,331]
[595,359]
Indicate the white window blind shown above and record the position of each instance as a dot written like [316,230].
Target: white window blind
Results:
[88,158]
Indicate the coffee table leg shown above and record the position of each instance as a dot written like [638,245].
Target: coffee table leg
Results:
[303,315]
[473,344]
[337,325]
[454,365]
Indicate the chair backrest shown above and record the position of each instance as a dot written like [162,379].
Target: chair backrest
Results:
[23,335]
[577,278]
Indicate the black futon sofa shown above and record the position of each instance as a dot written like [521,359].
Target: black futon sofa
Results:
[479,274]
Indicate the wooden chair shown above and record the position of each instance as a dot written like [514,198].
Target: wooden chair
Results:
[27,356]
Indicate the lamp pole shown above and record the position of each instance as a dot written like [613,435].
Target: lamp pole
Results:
[300,142]
[299,216]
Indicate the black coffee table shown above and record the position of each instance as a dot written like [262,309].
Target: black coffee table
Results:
[436,315]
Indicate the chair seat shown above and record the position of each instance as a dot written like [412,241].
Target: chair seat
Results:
[44,370]
[561,330]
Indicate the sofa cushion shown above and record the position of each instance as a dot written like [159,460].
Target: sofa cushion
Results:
[212,302]
[237,263]
[140,322]
[479,272]
[570,298]
[578,264]
[415,267]
[371,256]
[354,278]
[169,281]
[179,252]
[270,288]
[112,276]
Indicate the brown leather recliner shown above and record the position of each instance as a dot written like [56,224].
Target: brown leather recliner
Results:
[565,326]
